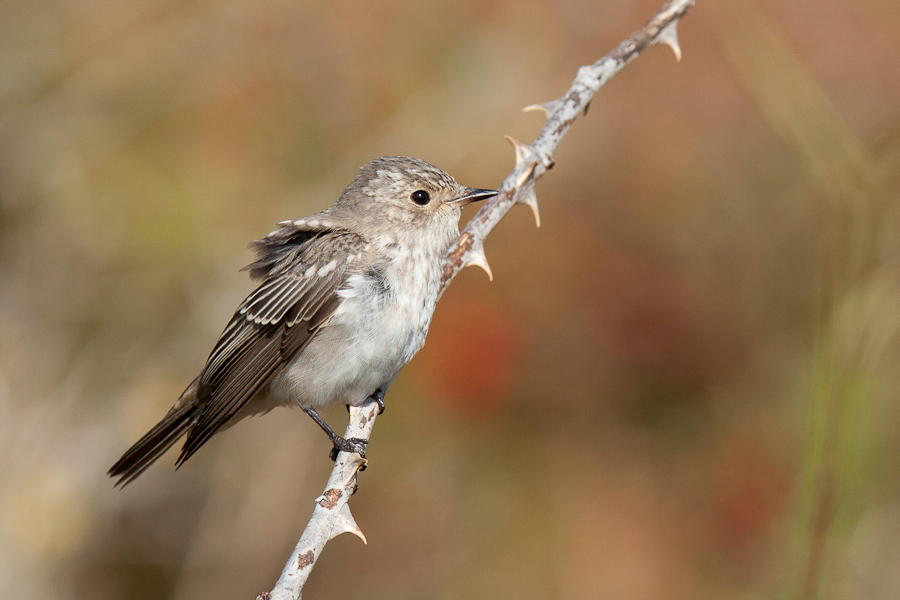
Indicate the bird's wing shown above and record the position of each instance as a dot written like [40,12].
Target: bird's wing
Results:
[275,322]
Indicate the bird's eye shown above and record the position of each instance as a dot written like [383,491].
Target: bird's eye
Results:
[420,197]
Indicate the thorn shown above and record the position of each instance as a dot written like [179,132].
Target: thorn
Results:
[669,37]
[345,523]
[523,176]
[529,199]
[356,464]
[478,259]
[545,107]
[586,107]
[523,151]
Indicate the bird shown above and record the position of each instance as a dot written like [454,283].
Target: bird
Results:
[344,302]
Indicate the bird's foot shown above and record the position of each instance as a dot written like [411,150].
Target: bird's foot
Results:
[356,445]
[378,398]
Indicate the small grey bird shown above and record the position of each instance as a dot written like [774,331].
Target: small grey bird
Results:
[345,302]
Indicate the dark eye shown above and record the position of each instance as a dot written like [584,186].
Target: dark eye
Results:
[420,197]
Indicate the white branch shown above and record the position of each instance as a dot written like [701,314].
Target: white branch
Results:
[331,516]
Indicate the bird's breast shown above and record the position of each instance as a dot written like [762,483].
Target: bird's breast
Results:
[406,287]
[379,326]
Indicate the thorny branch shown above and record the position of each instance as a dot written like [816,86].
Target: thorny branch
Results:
[331,516]
[535,160]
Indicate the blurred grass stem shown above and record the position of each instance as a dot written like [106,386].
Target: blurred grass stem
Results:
[852,299]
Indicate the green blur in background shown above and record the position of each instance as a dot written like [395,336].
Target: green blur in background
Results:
[682,386]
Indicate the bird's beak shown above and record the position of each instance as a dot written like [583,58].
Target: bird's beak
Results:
[474,195]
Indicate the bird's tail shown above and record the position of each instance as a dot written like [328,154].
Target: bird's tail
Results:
[154,444]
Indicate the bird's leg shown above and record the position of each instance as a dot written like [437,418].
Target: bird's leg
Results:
[340,444]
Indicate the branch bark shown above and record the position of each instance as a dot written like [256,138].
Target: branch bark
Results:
[331,516]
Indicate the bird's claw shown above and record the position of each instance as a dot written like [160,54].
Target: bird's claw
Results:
[378,398]
[356,445]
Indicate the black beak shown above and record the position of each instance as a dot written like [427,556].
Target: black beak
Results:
[474,195]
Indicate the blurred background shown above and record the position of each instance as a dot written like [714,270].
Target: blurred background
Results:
[683,385]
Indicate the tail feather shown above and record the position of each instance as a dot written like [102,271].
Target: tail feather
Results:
[155,442]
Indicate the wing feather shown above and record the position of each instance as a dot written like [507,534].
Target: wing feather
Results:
[274,323]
